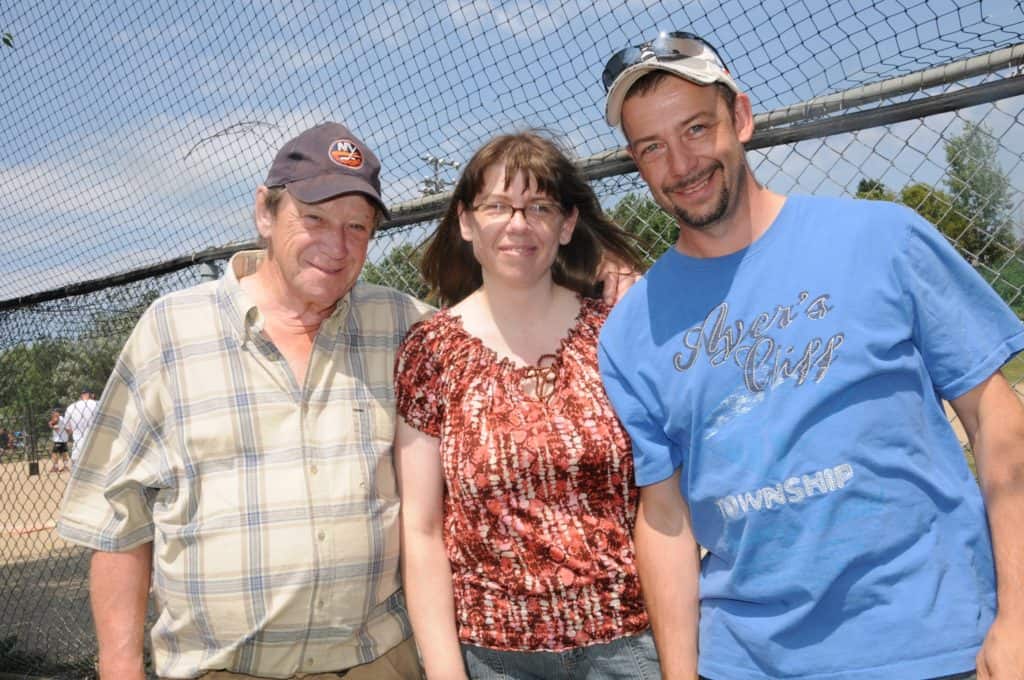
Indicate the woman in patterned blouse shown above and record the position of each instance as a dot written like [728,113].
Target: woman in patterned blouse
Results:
[516,477]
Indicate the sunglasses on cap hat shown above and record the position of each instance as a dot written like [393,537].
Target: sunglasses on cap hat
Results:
[668,46]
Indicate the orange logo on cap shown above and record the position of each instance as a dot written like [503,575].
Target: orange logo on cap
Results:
[345,152]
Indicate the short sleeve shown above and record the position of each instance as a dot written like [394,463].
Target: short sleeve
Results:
[654,456]
[414,311]
[418,380]
[108,504]
[963,329]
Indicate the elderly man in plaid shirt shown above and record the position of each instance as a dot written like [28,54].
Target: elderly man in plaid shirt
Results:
[240,462]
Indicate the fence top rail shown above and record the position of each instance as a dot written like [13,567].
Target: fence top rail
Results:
[617,161]
[410,212]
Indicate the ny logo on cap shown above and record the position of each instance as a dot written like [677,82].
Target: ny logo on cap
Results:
[344,152]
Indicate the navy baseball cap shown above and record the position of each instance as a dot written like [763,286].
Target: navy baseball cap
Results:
[324,162]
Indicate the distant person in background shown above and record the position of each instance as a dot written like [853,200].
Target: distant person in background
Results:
[78,419]
[781,371]
[59,453]
[6,441]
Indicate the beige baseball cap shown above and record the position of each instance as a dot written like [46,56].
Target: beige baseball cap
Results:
[684,54]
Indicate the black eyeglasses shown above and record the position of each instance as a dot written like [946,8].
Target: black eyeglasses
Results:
[667,46]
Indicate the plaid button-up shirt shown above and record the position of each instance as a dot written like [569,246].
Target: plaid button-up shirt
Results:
[272,506]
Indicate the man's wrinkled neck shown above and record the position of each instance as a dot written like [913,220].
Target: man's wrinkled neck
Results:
[279,305]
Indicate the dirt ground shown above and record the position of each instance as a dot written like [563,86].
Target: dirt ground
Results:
[44,604]
[957,427]
[28,512]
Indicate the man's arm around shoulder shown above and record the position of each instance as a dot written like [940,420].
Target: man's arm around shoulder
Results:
[669,564]
[119,590]
[993,418]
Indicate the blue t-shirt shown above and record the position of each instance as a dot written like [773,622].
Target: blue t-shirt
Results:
[798,383]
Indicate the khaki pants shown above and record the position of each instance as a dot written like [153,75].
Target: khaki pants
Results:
[401,663]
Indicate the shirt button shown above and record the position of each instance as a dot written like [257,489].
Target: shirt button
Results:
[310,661]
[320,604]
[321,535]
[313,469]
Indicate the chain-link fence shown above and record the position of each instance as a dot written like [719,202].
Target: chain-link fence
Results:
[136,133]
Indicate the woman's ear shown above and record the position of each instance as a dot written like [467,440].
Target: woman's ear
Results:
[568,226]
[465,226]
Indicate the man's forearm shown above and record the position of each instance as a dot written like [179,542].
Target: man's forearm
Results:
[993,418]
[1003,488]
[994,421]
[119,590]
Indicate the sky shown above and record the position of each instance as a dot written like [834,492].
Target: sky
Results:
[137,131]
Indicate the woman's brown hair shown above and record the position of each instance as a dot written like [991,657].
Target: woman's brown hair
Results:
[448,265]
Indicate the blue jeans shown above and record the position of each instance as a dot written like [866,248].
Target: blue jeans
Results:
[969,675]
[628,658]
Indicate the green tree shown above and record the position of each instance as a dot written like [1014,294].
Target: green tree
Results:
[655,229]
[400,269]
[937,207]
[941,209]
[38,376]
[874,190]
[29,386]
[7,39]
[976,213]
[980,191]
[1008,281]
[1005,275]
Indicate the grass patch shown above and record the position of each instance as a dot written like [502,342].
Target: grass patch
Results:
[1014,369]
[969,455]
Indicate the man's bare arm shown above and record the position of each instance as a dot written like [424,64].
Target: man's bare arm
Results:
[993,418]
[119,590]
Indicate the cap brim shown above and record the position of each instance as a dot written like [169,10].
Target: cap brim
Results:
[326,187]
[619,89]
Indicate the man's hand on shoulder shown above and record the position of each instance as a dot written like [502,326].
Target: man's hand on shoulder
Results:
[616,277]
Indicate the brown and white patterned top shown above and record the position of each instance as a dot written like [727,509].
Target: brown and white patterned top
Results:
[540,502]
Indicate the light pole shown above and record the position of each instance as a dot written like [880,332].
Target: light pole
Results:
[437,185]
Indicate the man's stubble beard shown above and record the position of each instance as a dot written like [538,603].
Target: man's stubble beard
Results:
[707,220]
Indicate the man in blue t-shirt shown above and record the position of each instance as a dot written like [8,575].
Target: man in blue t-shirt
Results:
[781,371]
